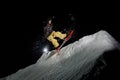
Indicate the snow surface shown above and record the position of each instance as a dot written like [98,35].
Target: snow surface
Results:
[74,60]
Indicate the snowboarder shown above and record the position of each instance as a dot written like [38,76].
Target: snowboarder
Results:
[51,35]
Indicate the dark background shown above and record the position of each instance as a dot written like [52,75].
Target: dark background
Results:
[24,26]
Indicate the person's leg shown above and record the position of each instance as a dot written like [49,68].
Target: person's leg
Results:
[54,41]
[59,35]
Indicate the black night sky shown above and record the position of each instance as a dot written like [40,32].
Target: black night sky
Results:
[23,26]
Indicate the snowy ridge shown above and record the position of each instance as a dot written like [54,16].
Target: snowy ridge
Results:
[102,38]
[74,61]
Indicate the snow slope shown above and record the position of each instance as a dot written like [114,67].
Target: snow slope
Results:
[74,61]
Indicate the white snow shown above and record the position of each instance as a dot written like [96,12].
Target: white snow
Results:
[74,60]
